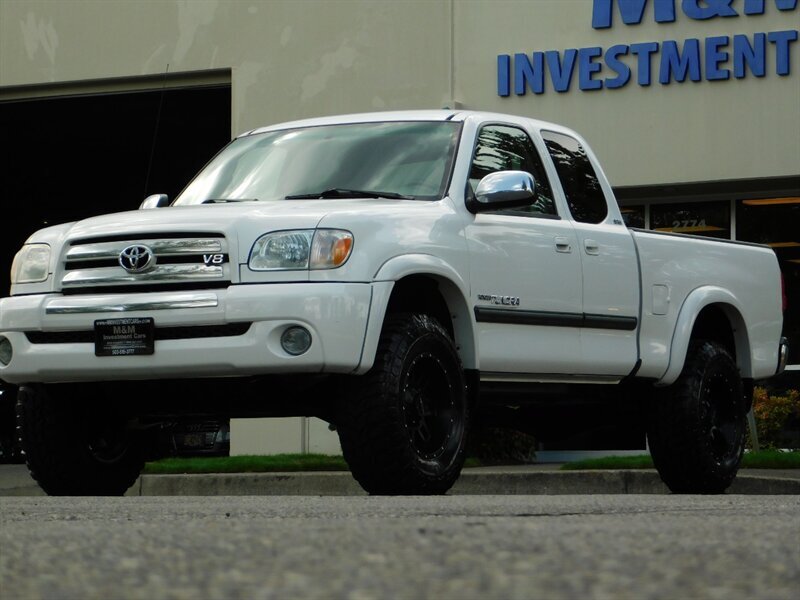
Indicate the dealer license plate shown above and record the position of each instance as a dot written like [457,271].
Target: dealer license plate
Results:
[124,337]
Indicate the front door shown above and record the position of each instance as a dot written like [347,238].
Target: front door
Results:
[525,269]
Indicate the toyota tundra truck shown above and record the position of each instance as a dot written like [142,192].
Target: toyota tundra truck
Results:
[402,276]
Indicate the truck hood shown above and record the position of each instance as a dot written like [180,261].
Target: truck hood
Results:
[241,223]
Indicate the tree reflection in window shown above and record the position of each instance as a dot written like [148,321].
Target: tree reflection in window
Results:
[505,148]
[581,187]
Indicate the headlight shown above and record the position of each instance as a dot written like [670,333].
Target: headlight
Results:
[301,249]
[331,248]
[31,264]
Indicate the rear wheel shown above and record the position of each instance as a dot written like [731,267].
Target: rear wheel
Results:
[403,425]
[697,429]
[76,446]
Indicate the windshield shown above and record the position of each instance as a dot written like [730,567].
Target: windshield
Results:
[395,160]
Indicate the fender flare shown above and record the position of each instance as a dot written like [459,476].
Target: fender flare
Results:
[452,287]
[695,302]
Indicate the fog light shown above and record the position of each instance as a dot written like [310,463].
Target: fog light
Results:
[296,340]
[5,351]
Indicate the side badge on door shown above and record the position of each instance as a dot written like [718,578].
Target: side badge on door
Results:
[497,299]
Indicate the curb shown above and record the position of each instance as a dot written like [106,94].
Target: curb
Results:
[484,483]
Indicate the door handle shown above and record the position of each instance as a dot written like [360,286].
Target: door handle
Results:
[562,244]
[591,247]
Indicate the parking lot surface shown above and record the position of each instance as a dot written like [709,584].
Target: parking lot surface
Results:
[591,546]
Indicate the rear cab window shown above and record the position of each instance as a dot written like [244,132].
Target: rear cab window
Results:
[582,190]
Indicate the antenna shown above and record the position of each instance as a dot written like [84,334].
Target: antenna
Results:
[155,133]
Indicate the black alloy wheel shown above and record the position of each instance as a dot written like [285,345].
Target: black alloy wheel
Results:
[403,425]
[697,426]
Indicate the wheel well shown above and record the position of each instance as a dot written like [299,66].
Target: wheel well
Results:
[420,294]
[713,324]
[444,301]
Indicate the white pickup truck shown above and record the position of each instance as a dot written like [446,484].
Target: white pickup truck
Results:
[395,274]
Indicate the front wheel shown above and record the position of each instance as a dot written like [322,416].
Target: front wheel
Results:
[403,425]
[697,429]
[76,445]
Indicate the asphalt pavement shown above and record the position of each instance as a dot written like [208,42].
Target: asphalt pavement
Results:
[537,479]
[360,548]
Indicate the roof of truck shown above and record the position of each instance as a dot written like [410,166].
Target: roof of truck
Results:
[404,115]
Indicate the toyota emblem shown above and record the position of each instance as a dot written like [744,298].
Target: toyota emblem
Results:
[137,259]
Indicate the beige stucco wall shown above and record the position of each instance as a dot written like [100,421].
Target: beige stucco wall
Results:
[290,59]
[299,58]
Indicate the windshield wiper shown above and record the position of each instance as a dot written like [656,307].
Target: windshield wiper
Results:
[222,200]
[344,193]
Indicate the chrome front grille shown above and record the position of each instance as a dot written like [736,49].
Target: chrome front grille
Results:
[190,261]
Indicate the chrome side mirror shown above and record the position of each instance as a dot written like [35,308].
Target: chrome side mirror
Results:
[154,201]
[503,189]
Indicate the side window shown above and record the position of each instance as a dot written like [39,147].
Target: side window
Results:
[584,196]
[504,148]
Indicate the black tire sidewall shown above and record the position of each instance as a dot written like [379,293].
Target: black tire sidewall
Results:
[54,433]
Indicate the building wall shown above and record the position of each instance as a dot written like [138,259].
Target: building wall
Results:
[289,59]
[681,132]
[295,59]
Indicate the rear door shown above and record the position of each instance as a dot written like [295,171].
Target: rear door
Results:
[610,266]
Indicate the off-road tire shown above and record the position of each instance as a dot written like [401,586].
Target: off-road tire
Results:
[403,425]
[73,447]
[696,428]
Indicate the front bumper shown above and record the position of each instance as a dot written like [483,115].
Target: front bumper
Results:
[336,314]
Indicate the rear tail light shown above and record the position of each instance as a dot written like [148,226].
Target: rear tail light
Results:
[784,299]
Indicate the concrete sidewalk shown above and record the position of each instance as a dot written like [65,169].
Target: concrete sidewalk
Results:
[537,479]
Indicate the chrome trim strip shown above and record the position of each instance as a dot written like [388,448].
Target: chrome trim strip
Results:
[116,275]
[74,306]
[111,250]
[548,378]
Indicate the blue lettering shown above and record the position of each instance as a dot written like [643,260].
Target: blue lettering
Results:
[782,40]
[644,52]
[586,67]
[756,7]
[503,74]
[527,73]
[745,55]
[714,56]
[708,9]
[622,70]
[561,73]
[675,65]
[631,12]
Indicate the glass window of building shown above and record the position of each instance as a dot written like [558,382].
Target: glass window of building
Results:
[776,222]
[709,219]
[633,216]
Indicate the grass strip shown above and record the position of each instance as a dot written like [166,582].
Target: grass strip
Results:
[276,463]
[286,463]
[765,459]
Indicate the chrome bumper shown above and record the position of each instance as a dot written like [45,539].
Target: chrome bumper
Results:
[783,355]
